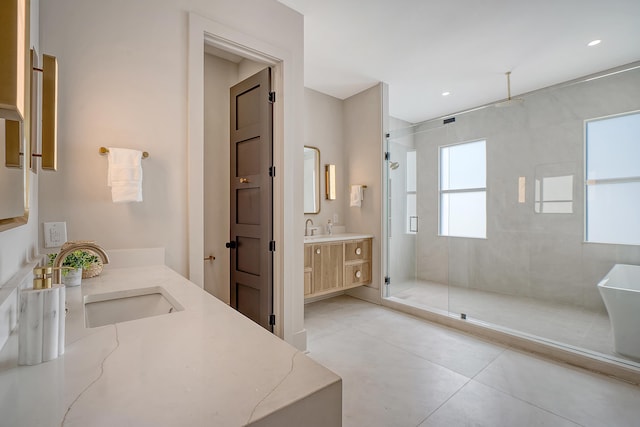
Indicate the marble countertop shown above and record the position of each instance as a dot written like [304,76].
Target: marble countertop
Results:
[204,365]
[323,238]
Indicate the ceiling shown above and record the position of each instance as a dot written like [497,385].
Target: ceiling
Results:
[422,48]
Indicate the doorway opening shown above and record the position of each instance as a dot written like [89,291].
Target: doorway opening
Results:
[204,32]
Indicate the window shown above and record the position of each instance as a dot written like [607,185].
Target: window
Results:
[412,216]
[612,170]
[463,192]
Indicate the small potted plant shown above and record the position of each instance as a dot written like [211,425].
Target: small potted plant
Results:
[73,265]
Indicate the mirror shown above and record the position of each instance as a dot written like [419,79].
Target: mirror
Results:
[15,104]
[11,173]
[311,180]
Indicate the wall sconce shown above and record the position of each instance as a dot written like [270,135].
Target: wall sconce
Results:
[49,153]
[330,181]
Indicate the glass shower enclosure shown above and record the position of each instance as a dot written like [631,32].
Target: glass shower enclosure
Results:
[487,211]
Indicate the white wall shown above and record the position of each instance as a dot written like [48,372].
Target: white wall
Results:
[123,81]
[324,118]
[364,127]
[18,245]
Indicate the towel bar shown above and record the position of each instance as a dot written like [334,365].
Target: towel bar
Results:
[105,150]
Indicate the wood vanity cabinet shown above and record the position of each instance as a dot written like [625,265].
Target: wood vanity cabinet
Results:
[308,270]
[328,259]
[334,266]
[357,265]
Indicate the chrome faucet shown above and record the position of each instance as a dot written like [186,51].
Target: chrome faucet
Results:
[306,225]
[86,245]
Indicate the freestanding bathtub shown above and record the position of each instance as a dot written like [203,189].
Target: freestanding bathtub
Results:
[620,290]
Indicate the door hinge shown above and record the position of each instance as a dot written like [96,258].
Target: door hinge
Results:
[387,155]
[272,171]
[387,280]
[272,320]
[272,246]
[272,97]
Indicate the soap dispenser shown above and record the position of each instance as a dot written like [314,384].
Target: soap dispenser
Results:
[41,330]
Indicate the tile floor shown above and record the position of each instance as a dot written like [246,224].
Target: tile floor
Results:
[399,370]
[562,323]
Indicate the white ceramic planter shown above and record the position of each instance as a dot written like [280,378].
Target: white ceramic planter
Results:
[73,277]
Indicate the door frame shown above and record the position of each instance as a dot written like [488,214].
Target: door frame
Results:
[289,322]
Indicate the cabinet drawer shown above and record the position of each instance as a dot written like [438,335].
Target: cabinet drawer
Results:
[357,250]
[359,273]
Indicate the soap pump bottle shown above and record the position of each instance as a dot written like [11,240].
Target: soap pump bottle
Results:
[329,227]
[41,329]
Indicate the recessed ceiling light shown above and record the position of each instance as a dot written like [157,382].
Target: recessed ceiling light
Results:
[446,93]
[594,42]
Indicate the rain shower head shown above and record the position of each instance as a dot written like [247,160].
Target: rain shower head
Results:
[509,101]
[394,165]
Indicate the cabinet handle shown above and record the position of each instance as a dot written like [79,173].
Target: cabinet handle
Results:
[317,250]
[358,251]
[244,181]
[358,274]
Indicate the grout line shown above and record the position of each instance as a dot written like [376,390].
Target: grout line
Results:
[443,403]
[531,404]
[64,419]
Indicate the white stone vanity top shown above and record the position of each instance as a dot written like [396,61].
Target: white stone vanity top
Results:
[323,238]
[205,365]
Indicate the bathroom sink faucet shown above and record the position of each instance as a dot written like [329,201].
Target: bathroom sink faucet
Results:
[306,227]
[90,246]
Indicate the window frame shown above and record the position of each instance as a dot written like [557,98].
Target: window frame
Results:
[606,181]
[465,190]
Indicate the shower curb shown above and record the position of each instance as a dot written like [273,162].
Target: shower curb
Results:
[573,356]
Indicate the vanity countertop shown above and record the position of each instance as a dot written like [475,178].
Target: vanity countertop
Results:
[324,238]
[204,365]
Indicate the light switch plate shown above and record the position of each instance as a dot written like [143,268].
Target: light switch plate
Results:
[55,234]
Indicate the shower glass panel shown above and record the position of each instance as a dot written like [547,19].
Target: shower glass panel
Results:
[492,217]
[402,219]
[413,250]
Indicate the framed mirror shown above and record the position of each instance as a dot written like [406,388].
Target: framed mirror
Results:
[15,104]
[311,180]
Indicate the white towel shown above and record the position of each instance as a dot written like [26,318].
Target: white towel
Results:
[125,175]
[356,196]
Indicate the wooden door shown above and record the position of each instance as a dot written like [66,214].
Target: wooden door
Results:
[251,190]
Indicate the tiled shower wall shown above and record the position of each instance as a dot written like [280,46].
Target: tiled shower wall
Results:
[543,256]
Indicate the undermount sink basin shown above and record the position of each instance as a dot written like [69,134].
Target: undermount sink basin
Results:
[131,304]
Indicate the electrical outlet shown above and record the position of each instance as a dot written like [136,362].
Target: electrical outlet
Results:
[336,218]
[55,234]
